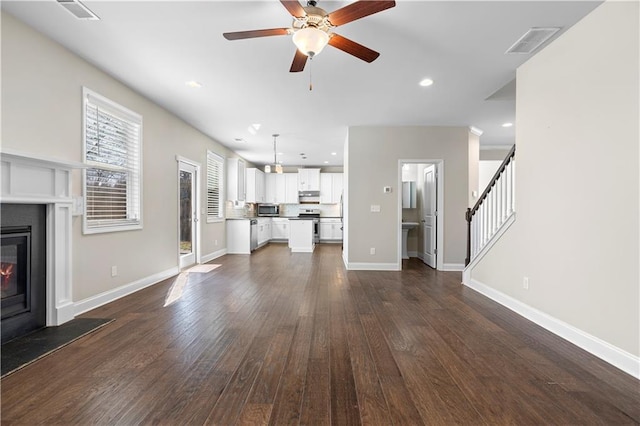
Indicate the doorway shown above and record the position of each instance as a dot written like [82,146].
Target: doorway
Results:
[425,241]
[188,206]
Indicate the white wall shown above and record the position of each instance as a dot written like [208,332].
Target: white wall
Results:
[372,163]
[41,106]
[577,183]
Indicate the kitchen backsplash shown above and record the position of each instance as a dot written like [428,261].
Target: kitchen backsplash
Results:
[326,210]
[240,209]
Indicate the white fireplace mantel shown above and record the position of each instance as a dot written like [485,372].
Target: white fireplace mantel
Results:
[27,178]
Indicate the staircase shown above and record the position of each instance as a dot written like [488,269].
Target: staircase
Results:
[493,213]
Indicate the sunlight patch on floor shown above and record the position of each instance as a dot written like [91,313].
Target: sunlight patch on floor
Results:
[203,269]
[175,292]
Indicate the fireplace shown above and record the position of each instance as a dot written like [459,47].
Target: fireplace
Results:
[32,180]
[22,269]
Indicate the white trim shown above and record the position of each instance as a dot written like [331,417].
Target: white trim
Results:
[125,290]
[615,356]
[367,266]
[453,267]
[50,161]
[302,249]
[216,254]
[466,274]
[196,191]
[124,113]
[496,147]
[28,179]
[439,164]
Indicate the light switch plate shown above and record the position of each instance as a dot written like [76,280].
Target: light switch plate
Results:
[375,208]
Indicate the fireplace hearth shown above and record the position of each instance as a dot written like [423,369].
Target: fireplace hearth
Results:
[22,269]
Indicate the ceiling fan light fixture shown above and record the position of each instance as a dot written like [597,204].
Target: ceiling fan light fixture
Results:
[310,40]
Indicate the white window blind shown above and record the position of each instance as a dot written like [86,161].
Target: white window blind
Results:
[215,171]
[112,153]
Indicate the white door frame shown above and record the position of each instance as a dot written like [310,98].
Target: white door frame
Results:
[196,223]
[440,207]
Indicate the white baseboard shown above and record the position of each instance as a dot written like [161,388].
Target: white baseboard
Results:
[111,295]
[412,254]
[302,249]
[452,267]
[362,266]
[615,356]
[216,254]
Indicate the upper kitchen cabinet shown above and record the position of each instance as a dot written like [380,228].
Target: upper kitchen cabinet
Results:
[308,179]
[270,188]
[236,189]
[291,188]
[330,188]
[255,186]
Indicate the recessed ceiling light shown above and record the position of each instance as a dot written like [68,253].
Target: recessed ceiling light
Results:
[280,153]
[425,82]
[334,153]
[253,129]
[239,140]
[326,162]
[193,84]
[507,125]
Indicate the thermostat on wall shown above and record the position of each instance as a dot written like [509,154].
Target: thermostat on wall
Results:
[387,189]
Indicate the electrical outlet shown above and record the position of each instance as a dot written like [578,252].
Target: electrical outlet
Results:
[525,283]
[216,242]
[114,271]
[372,250]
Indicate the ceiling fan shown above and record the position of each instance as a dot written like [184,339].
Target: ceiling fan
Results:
[312,29]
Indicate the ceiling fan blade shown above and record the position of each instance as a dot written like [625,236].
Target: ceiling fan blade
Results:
[299,61]
[294,7]
[358,10]
[353,48]
[239,35]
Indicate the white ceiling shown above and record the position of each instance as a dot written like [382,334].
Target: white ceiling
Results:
[156,46]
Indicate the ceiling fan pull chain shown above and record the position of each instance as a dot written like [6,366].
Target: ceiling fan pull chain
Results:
[310,76]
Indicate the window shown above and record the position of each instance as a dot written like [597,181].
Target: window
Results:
[112,153]
[215,183]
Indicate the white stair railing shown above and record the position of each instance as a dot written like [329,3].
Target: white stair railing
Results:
[494,208]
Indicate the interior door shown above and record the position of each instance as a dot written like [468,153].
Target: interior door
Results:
[429,215]
[188,213]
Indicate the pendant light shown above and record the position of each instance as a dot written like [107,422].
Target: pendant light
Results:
[277,167]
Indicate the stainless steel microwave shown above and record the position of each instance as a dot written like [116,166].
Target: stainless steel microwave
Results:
[268,210]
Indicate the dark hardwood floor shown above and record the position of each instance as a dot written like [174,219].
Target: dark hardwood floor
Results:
[280,338]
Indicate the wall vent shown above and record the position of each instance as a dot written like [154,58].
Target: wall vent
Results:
[532,39]
[78,10]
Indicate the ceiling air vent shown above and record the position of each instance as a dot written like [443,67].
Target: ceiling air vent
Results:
[78,9]
[532,39]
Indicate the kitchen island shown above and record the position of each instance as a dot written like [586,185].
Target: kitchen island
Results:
[301,235]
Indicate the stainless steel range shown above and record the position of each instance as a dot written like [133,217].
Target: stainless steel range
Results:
[314,215]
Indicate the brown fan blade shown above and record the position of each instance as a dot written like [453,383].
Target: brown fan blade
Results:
[294,7]
[353,48]
[299,61]
[239,35]
[358,10]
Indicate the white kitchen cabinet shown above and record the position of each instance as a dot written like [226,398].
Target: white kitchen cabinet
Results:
[236,189]
[308,179]
[301,236]
[255,186]
[270,193]
[330,188]
[264,230]
[291,188]
[330,229]
[238,236]
[280,229]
